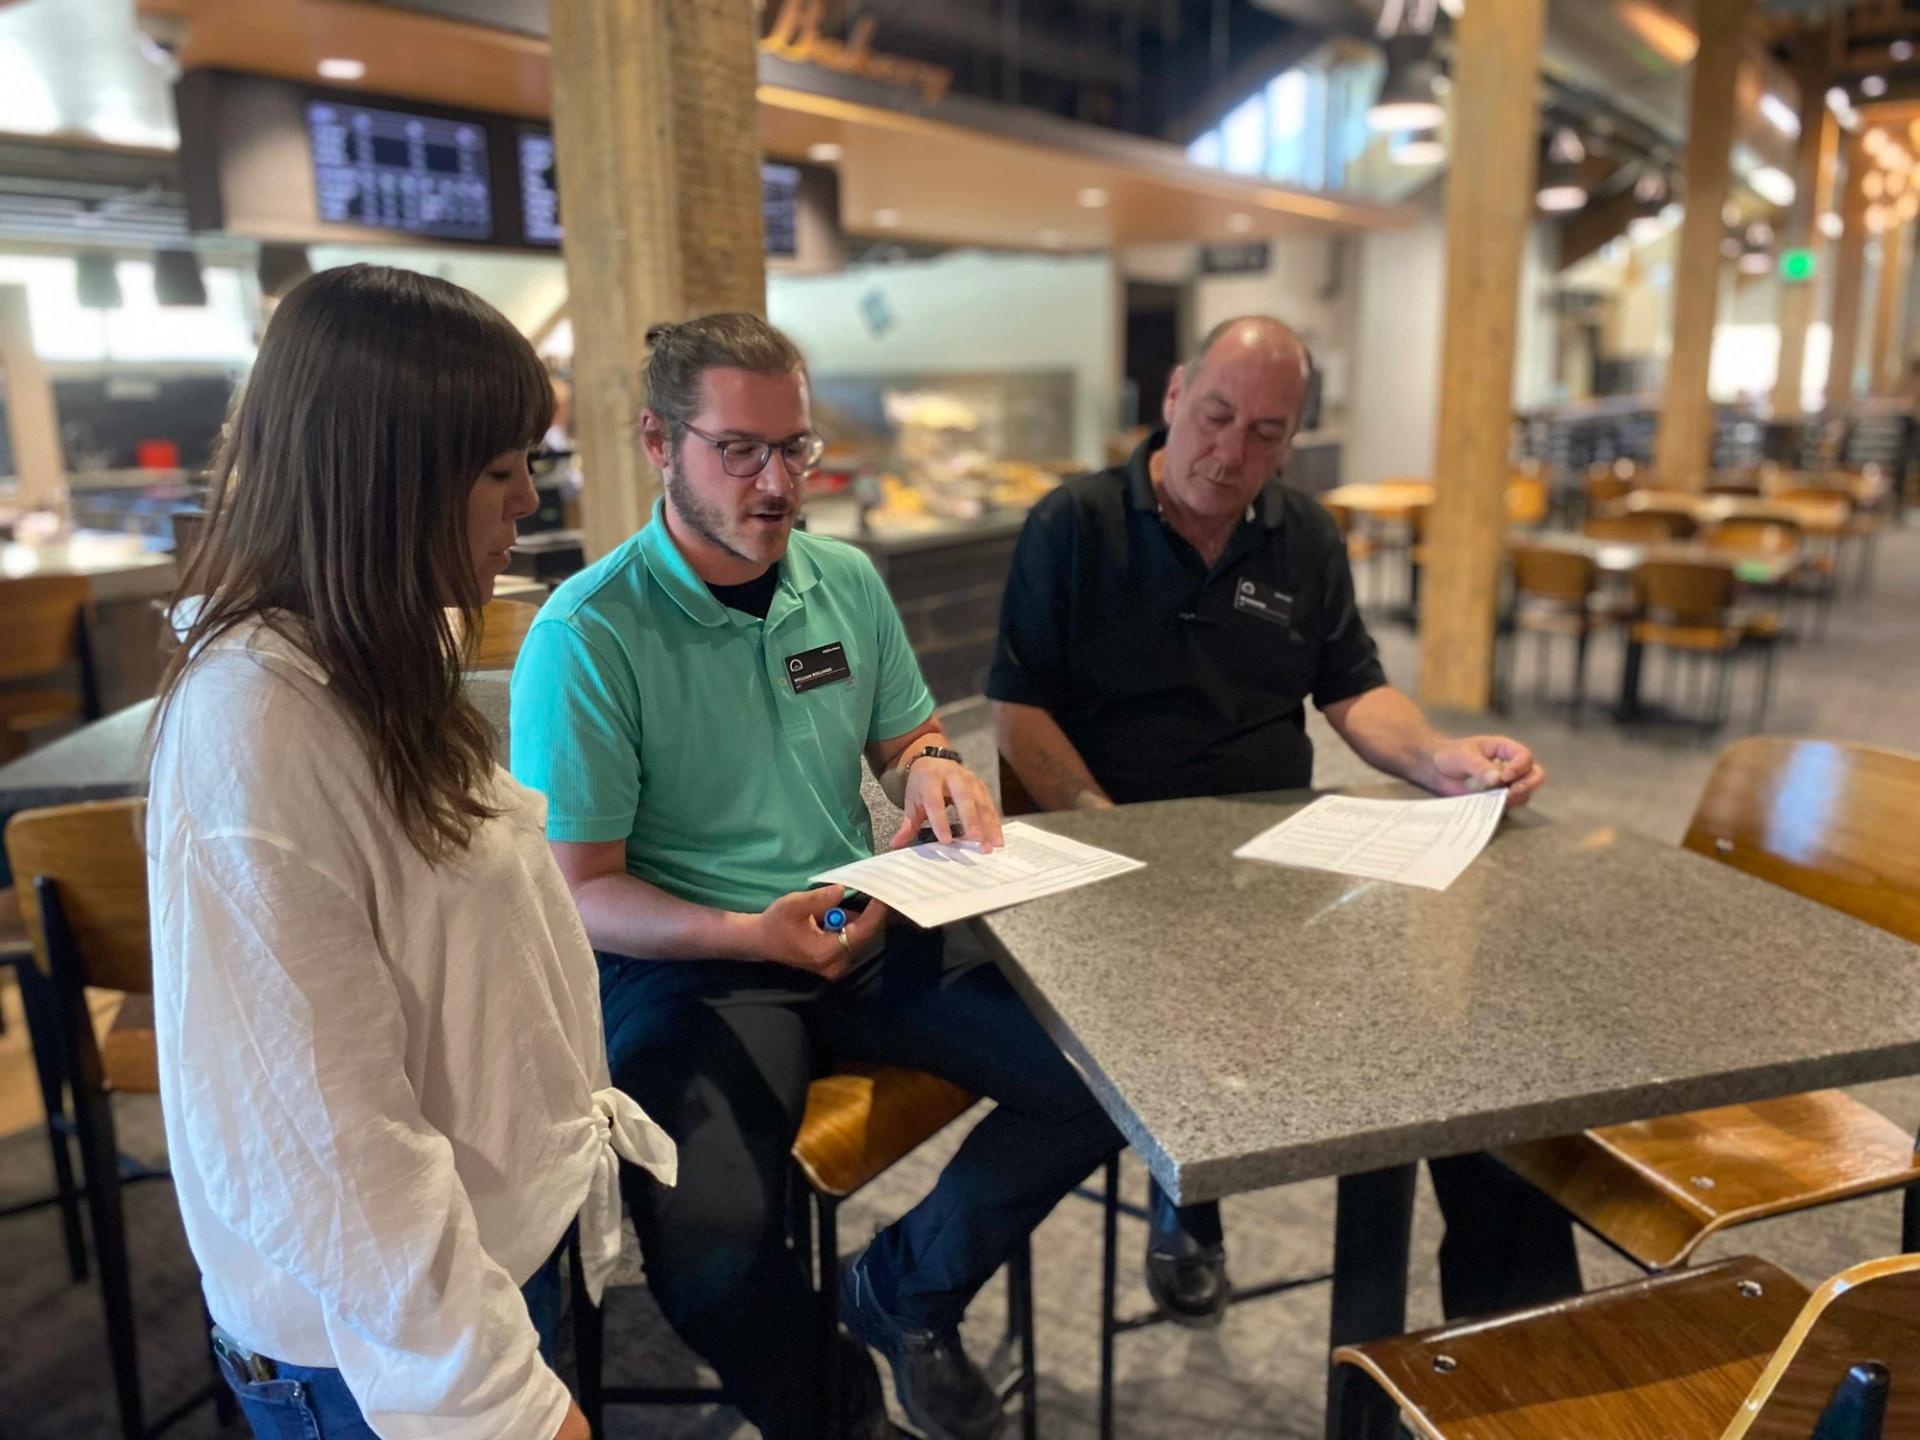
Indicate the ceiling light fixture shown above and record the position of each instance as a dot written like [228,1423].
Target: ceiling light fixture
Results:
[1092,198]
[1779,114]
[1756,262]
[1831,225]
[1645,229]
[342,69]
[1562,186]
[1873,86]
[1773,185]
[825,152]
[1901,51]
[1406,94]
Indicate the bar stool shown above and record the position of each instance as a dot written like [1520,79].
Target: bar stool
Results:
[82,870]
[859,1123]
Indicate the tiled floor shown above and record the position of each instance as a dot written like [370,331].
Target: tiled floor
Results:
[1259,1374]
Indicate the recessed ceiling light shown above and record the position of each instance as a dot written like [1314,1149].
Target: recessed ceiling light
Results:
[1773,185]
[1779,114]
[824,152]
[1092,197]
[1901,51]
[1240,222]
[1643,229]
[1755,262]
[886,219]
[340,68]
[1831,225]
[1559,198]
[1874,86]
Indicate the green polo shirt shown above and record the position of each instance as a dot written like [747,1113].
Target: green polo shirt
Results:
[647,711]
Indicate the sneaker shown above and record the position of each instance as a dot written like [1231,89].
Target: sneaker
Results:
[1186,1276]
[946,1396]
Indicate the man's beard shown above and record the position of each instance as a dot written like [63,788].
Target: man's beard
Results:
[706,521]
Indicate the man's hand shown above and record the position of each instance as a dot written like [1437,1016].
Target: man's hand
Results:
[791,931]
[1485,762]
[933,784]
[574,1427]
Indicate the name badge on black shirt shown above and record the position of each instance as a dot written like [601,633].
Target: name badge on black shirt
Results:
[1263,602]
[812,668]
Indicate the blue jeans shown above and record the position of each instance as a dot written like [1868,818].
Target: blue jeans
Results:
[308,1402]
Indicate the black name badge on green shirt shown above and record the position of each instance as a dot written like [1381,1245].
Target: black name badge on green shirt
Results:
[823,666]
[1263,602]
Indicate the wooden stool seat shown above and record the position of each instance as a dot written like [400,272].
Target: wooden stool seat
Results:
[1659,1188]
[864,1119]
[1671,1358]
[129,1054]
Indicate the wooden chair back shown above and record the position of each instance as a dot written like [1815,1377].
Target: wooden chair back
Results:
[1683,592]
[1606,489]
[503,630]
[1830,821]
[1529,500]
[43,631]
[1014,799]
[1678,513]
[1546,572]
[1630,529]
[1868,1315]
[1745,535]
[95,855]
[1342,517]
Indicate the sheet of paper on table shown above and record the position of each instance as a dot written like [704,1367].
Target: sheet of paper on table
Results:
[1412,842]
[938,884]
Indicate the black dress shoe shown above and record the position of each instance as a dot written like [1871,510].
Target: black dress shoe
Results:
[946,1396]
[863,1405]
[1186,1273]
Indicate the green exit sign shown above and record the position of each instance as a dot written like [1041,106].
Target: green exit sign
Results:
[1796,265]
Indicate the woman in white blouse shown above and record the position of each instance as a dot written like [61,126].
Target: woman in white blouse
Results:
[381,1059]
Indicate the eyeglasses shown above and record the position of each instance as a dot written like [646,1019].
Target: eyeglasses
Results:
[744,459]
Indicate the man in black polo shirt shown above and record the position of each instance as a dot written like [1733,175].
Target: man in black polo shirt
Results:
[1164,624]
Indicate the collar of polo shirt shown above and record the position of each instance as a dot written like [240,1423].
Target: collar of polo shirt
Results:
[679,579]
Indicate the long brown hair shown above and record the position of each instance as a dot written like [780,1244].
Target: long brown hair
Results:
[337,514]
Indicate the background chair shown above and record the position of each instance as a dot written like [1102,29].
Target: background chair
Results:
[502,631]
[1629,529]
[1737,1351]
[1685,607]
[1831,822]
[45,636]
[82,872]
[1555,592]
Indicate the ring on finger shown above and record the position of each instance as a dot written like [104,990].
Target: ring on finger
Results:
[846,945]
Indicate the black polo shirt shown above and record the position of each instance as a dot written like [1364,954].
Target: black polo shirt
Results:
[1172,679]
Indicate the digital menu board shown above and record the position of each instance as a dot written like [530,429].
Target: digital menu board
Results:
[396,170]
[539,188]
[780,208]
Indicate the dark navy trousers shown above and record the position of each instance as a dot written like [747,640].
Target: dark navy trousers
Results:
[721,1053]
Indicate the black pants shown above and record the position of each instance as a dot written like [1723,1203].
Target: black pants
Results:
[721,1054]
[1506,1245]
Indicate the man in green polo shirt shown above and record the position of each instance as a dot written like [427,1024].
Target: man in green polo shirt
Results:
[696,707]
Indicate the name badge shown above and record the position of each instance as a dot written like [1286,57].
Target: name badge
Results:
[824,666]
[1263,602]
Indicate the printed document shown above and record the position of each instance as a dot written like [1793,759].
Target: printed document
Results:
[937,884]
[1412,842]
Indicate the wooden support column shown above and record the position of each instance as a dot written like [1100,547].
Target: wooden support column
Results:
[1489,212]
[1889,310]
[1849,273]
[1683,449]
[1813,185]
[33,425]
[657,137]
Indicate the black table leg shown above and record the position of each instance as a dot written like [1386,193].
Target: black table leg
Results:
[1373,1227]
[1630,680]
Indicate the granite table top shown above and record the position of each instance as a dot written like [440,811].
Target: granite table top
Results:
[1248,1025]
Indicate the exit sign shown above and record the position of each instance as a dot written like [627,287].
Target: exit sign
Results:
[1796,265]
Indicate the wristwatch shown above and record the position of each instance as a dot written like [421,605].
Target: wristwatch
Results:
[933,752]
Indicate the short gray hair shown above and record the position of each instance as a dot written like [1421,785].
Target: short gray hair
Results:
[683,353]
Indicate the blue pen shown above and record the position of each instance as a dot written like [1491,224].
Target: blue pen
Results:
[835,919]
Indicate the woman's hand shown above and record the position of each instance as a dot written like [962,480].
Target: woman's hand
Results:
[574,1427]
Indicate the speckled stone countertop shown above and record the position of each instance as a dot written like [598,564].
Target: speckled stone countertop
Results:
[1248,1025]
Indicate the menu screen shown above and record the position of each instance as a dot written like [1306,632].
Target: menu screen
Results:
[780,207]
[393,170]
[539,188]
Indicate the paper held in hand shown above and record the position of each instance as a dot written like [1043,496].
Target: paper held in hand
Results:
[1412,842]
[938,884]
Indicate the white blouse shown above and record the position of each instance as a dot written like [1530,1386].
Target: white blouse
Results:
[384,1081]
